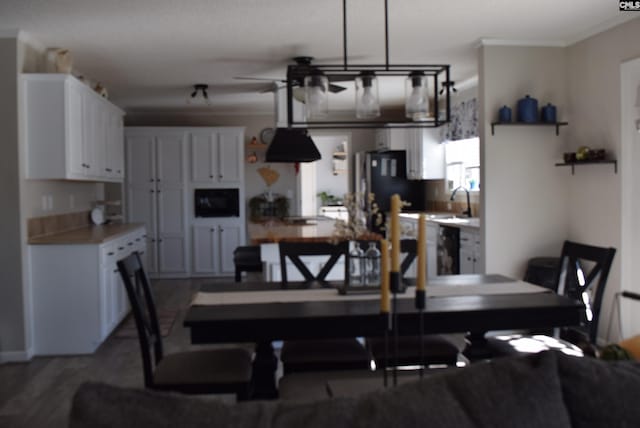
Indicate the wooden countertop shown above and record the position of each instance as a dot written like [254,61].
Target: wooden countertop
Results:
[319,230]
[86,235]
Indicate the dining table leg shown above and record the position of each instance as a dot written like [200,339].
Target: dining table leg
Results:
[263,380]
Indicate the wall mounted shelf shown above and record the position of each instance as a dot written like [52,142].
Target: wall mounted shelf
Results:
[593,162]
[556,124]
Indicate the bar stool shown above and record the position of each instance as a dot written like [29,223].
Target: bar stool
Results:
[246,259]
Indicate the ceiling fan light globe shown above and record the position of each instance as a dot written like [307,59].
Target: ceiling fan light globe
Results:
[316,90]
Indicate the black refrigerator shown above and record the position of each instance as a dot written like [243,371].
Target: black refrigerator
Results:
[385,173]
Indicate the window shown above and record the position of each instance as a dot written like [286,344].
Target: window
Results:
[463,163]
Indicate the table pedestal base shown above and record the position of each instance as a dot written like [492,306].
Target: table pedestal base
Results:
[263,380]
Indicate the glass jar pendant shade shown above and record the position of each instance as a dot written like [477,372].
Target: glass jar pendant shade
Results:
[316,89]
[416,96]
[367,100]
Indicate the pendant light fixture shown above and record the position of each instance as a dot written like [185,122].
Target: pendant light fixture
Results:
[416,104]
[316,90]
[422,83]
[367,99]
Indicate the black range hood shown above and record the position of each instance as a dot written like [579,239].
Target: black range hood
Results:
[292,145]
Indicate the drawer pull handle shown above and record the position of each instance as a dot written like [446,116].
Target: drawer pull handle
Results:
[111,253]
[120,248]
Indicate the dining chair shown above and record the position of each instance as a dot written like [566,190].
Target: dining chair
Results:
[319,354]
[225,370]
[582,275]
[435,349]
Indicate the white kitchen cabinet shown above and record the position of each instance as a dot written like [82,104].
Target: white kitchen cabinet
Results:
[213,246]
[217,155]
[157,195]
[425,153]
[68,129]
[390,139]
[470,252]
[78,296]
[432,249]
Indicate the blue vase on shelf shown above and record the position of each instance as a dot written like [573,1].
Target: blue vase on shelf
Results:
[504,114]
[527,110]
[549,113]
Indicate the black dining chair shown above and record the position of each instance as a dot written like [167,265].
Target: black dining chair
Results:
[435,349]
[582,275]
[319,354]
[192,372]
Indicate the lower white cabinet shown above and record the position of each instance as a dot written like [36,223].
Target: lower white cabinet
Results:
[77,294]
[213,246]
[470,253]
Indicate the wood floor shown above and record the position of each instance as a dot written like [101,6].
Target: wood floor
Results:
[39,393]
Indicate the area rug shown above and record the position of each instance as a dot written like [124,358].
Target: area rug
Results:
[166,319]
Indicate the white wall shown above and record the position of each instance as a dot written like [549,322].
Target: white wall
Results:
[326,181]
[12,331]
[594,106]
[523,200]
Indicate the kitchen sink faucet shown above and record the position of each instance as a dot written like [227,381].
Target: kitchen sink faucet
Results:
[466,212]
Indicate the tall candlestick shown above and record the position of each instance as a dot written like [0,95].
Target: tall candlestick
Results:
[395,233]
[384,283]
[422,250]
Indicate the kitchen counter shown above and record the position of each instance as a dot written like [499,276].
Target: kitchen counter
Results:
[446,219]
[312,229]
[86,235]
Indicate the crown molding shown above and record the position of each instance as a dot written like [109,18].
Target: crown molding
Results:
[602,27]
[524,43]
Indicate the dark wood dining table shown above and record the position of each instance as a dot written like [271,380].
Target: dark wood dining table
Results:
[265,321]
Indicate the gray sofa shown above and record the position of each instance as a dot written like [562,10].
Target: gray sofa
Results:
[544,390]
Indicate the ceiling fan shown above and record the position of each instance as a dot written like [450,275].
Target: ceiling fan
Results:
[304,68]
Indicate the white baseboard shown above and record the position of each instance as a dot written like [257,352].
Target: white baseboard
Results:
[15,356]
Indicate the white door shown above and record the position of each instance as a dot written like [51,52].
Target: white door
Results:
[202,156]
[204,249]
[170,196]
[229,240]
[229,156]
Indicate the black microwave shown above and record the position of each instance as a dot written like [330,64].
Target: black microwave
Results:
[217,203]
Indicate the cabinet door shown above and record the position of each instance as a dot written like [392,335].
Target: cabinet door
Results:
[114,149]
[229,159]
[466,261]
[141,169]
[91,135]
[75,135]
[172,254]
[229,240]
[202,156]
[203,249]
[170,159]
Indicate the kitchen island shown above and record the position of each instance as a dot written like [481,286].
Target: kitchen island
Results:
[268,234]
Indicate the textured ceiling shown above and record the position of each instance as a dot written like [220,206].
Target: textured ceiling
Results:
[149,52]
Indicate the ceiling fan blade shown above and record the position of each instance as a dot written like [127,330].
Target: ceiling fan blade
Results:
[265,79]
[334,89]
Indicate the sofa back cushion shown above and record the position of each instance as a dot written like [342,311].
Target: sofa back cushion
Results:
[511,392]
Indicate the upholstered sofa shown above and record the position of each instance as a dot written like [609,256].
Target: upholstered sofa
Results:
[544,390]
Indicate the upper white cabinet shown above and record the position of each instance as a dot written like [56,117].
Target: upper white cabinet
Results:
[216,156]
[71,132]
[425,154]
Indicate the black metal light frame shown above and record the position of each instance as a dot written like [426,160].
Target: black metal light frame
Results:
[436,74]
